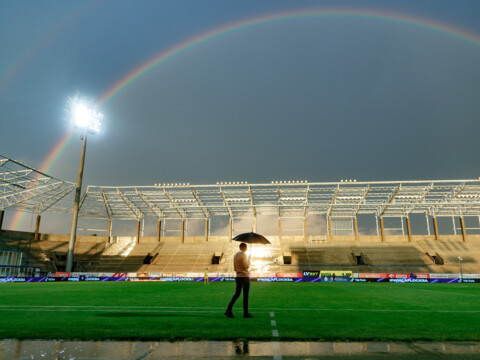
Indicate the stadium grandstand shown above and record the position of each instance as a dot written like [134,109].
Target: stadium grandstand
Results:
[388,244]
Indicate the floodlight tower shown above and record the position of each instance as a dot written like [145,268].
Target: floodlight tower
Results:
[87,120]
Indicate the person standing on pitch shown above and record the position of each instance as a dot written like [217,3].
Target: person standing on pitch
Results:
[205,277]
[241,265]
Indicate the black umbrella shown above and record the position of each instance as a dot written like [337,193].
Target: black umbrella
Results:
[251,238]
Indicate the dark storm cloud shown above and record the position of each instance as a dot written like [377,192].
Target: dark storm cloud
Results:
[307,99]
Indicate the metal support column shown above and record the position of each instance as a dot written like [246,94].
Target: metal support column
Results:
[109,230]
[76,206]
[230,229]
[464,230]
[37,228]
[206,229]
[428,224]
[330,232]
[409,229]
[2,213]
[138,231]
[255,224]
[159,230]
[435,227]
[382,230]
[279,228]
[305,229]
[182,231]
[355,223]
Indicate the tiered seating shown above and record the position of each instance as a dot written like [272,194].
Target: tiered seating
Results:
[171,256]
[181,258]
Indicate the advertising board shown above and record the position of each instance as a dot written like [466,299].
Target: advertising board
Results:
[372,275]
[324,273]
[289,275]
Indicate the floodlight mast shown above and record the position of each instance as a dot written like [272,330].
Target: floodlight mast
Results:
[89,121]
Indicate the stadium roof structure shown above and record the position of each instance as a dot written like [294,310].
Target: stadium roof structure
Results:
[26,189]
[285,199]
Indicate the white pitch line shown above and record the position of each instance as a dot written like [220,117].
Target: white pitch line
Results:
[276,344]
[205,309]
[114,310]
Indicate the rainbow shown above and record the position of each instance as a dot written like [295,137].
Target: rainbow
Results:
[47,164]
[162,57]
[406,19]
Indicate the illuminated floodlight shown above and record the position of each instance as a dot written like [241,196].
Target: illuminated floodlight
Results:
[86,118]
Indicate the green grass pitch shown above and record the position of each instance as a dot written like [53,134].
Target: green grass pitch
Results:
[297,311]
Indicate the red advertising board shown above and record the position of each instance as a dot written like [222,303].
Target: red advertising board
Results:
[62,274]
[289,275]
[262,275]
[120,275]
[398,276]
[372,275]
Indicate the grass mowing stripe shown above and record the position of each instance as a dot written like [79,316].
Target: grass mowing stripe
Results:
[189,311]
[193,310]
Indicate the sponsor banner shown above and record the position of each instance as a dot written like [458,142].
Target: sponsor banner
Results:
[470,280]
[156,274]
[167,275]
[105,274]
[194,275]
[62,274]
[262,275]
[397,276]
[372,275]
[471,276]
[310,273]
[337,279]
[408,280]
[78,274]
[119,274]
[131,275]
[443,276]
[184,275]
[324,273]
[275,279]
[420,276]
[140,275]
[178,279]
[289,275]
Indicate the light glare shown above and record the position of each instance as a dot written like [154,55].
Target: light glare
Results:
[86,118]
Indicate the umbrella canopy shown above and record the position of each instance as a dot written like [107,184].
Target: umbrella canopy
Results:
[251,238]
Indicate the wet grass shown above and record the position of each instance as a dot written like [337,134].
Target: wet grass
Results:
[301,311]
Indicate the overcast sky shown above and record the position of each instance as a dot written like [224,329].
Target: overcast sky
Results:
[317,99]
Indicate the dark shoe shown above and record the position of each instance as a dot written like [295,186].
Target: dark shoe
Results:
[229,314]
[248,315]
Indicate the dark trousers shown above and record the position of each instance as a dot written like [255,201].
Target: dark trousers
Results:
[242,283]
